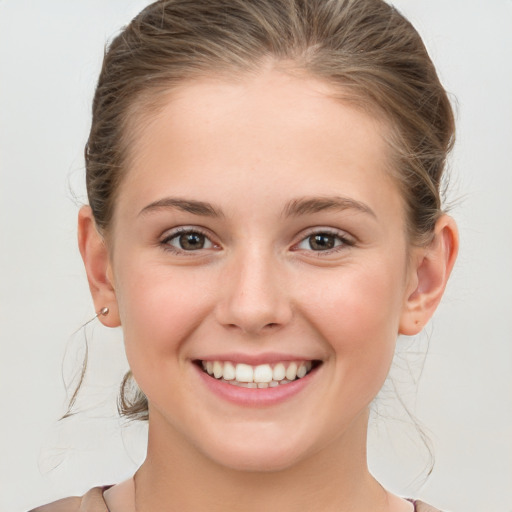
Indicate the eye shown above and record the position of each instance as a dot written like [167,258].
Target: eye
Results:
[323,241]
[188,240]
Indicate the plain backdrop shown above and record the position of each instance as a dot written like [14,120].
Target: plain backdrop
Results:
[50,54]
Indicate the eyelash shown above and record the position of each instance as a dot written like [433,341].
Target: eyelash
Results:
[341,241]
[179,232]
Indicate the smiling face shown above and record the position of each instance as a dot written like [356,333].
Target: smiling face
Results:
[257,231]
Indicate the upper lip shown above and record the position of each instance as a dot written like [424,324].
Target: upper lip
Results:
[256,359]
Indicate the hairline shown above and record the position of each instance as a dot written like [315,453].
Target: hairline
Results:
[147,104]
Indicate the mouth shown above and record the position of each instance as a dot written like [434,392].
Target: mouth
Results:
[260,376]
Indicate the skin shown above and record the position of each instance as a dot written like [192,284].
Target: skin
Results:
[250,149]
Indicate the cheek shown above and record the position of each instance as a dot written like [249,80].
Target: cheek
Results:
[357,312]
[159,308]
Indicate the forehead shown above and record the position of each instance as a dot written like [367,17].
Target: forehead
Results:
[273,133]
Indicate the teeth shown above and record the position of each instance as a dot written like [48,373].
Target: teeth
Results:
[218,369]
[261,376]
[301,371]
[291,372]
[263,373]
[279,372]
[229,371]
[244,373]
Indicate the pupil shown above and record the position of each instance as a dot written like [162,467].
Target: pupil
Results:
[321,242]
[192,241]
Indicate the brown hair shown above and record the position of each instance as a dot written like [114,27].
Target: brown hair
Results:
[364,48]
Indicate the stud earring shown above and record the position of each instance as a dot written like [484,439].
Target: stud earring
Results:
[102,312]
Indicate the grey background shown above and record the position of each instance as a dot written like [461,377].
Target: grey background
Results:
[50,53]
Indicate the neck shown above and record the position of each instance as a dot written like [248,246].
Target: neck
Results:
[177,477]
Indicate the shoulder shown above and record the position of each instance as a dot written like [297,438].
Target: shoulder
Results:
[91,501]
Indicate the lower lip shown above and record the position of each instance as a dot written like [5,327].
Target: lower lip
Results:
[255,397]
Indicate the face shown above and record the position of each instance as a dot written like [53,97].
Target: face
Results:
[259,260]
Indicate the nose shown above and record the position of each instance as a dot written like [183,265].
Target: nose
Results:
[254,296]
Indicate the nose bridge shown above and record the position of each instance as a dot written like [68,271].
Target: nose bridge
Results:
[254,297]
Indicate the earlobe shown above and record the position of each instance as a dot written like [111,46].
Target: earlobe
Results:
[432,267]
[95,256]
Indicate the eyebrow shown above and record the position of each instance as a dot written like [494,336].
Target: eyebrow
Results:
[186,205]
[295,208]
[309,205]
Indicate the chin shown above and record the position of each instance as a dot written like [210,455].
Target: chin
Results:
[256,453]
[256,461]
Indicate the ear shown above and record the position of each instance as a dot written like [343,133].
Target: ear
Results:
[431,268]
[98,268]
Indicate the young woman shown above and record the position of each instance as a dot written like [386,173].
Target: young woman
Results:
[264,220]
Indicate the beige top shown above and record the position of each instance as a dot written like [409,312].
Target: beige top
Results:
[121,498]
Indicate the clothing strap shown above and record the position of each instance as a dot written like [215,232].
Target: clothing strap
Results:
[420,506]
[91,501]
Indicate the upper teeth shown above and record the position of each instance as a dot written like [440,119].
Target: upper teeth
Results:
[261,374]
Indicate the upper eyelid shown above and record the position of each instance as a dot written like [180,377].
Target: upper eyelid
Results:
[326,230]
[173,232]
[346,238]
